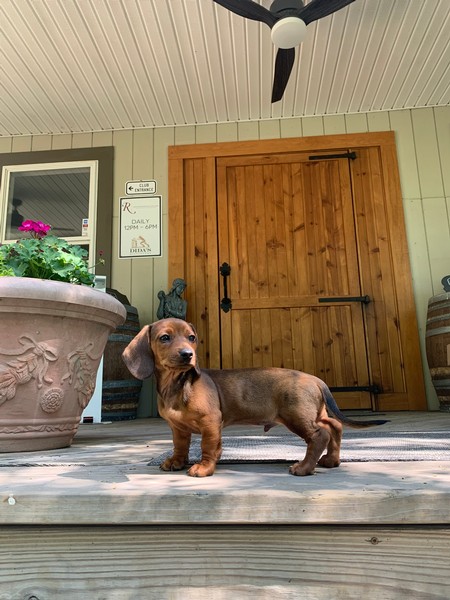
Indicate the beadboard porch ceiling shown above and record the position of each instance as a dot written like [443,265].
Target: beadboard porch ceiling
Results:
[93,65]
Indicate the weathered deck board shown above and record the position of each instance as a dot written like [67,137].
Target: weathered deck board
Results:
[202,563]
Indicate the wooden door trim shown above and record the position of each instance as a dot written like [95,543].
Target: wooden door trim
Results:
[402,275]
[212,261]
[176,220]
[339,142]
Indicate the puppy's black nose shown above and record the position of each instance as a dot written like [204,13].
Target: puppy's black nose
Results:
[186,354]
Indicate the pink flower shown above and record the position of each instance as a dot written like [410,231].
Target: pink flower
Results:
[38,229]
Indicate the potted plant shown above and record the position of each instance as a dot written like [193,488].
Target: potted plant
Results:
[54,330]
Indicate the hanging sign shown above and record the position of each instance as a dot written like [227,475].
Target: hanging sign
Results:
[140,227]
[133,188]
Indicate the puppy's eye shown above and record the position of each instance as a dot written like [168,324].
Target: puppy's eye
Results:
[164,338]
[192,338]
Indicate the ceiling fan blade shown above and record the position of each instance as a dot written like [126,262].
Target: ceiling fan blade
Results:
[249,10]
[317,9]
[283,67]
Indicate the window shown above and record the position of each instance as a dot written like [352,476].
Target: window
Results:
[69,189]
[63,195]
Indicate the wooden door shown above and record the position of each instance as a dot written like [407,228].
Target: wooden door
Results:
[304,239]
[286,228]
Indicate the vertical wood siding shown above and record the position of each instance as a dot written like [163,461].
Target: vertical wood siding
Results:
[423,147]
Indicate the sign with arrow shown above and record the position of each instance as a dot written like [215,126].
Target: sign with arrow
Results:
[135,188]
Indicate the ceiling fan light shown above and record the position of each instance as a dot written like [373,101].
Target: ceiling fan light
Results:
[288,32]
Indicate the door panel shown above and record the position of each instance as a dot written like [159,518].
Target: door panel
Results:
[298,338]
[193,252]
[377,275]
[286,227]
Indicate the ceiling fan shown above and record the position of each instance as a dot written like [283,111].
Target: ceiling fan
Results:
[287,20]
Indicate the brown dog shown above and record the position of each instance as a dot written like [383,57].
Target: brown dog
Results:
[195,400]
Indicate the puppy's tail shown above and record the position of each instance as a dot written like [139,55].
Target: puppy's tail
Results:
[334,408]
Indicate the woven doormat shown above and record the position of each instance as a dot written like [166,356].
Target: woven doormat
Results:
[373,447]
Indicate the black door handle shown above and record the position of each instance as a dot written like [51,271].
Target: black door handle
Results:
[225,303]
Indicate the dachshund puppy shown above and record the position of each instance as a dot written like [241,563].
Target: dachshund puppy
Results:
[194,400]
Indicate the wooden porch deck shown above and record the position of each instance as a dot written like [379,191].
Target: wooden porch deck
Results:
[94,521]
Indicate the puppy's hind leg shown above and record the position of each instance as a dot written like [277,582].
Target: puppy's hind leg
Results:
[332,457]
[316,442]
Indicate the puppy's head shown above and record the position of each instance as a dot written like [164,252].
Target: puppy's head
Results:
[168,344]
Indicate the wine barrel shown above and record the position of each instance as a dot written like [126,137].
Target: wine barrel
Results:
[437,339]
[120,391]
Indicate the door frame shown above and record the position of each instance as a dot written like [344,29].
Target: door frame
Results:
[185,234]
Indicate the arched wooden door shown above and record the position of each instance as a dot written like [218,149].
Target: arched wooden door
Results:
[319,275]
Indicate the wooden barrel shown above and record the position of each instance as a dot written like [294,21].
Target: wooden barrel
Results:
[120,391]
[437,339]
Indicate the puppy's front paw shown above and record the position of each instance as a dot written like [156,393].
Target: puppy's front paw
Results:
[200,470]
[172,464]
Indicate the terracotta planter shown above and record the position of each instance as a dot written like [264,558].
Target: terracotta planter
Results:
[53,336]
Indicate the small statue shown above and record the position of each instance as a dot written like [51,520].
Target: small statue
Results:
[172,304]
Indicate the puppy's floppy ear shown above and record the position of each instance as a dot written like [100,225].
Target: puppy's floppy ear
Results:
[138,355]
[196,367]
